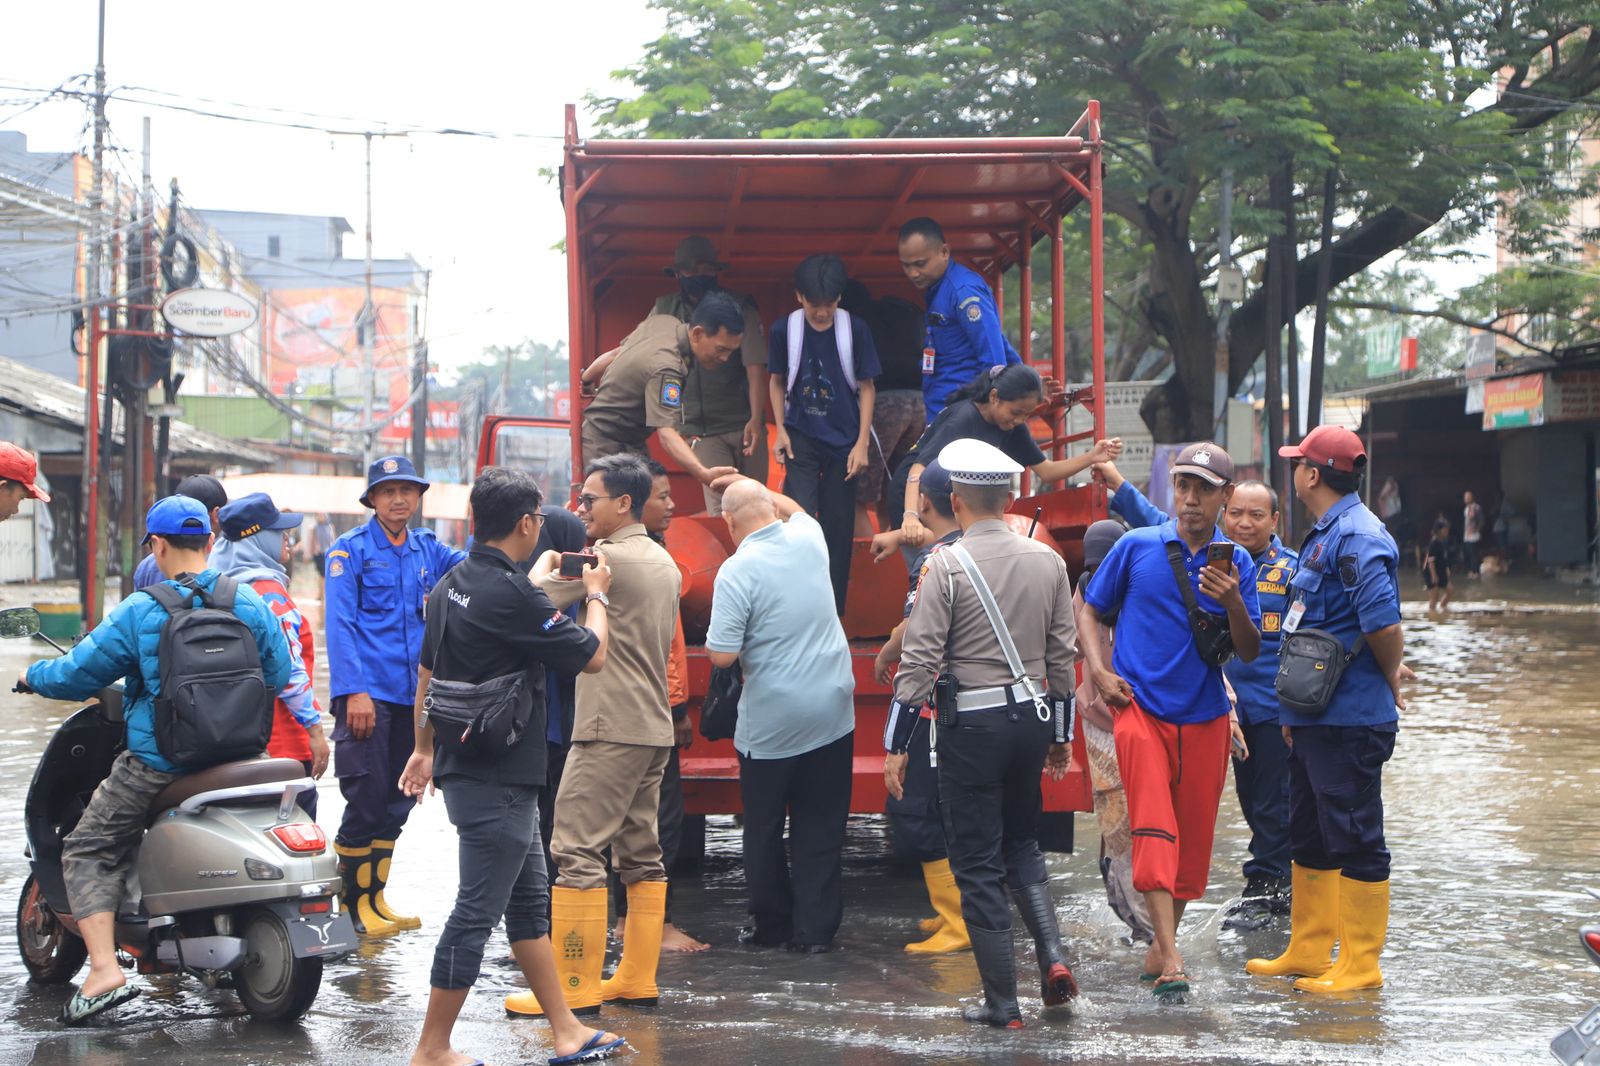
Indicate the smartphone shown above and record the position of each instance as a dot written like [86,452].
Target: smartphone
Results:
[572,563]
[1219,553]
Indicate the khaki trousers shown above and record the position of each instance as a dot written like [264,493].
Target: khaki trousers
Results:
[609,797]
[727,449]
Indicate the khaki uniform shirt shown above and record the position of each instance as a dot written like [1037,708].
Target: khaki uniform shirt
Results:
[642,389]
[948,624]
[626,702]
[718,401]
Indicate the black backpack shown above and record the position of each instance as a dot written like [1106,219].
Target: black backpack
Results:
[214,705]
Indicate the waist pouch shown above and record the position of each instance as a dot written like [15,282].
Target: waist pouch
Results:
[478,721]
[1310,664]
[1212,637]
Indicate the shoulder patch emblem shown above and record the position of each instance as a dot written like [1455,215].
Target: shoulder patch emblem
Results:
[1348,571]
[974,312]
[974,298]
[672,393]
[1274,575]
[553,621]
[336,567]
[338,553]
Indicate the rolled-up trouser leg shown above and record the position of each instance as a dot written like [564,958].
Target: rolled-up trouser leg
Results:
[498,832]
[97,854]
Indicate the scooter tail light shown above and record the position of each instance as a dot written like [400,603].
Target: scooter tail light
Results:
[302,838]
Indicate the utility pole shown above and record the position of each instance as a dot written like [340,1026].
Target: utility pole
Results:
[91,587]
[1319,333]
[1219,391]
[419,385]
[369,318]
[1277,193]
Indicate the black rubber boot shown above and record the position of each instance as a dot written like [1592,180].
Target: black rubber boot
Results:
[992,950]
[1056,983]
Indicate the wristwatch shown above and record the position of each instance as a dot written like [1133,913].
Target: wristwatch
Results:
[601,596]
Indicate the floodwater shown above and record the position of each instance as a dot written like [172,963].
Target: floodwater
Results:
[1490,822]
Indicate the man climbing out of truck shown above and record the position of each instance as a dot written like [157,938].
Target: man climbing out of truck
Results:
[642,390]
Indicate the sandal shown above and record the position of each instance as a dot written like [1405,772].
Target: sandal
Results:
[81,1008]
[1171,983]
[597,1048]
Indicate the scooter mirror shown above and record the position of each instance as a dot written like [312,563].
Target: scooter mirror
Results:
[19,622]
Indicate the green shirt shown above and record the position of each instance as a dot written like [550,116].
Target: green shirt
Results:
[718,401]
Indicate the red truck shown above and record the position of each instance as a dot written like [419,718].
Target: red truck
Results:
[767,204]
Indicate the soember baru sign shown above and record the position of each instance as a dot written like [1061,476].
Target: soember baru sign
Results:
[208,312]
[1512,402]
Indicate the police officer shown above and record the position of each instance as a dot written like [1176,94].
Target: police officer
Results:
[724,409]
[964,334]
[642,391]
[378,578]
[1346,586]
[1261,758]
[1007,723]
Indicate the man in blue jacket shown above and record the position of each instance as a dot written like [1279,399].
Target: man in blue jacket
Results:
[964,334]
[97,855]
[1261,757]
[378,578]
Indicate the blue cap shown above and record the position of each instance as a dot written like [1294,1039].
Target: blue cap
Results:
[390,468]
[177,516]
[934,479]
[249,515]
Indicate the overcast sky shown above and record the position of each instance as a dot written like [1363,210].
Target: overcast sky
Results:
[476,212]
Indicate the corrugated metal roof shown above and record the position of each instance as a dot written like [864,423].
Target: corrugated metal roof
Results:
[46,396]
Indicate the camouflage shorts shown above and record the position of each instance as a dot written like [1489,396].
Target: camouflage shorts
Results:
[97,855]
[897,423]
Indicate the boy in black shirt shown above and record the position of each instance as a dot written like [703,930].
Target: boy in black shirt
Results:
[824,365]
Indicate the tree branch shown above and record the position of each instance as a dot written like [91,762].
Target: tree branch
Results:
[1440,313]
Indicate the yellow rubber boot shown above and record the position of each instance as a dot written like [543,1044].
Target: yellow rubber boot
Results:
[1363,927]
[635,980]
[382,858]
[931,925]
[578,935]
[356,878]
[1313,927]
[946,898]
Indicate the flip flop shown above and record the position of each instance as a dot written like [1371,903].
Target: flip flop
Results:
[1169,984]
[1147,978]
[81,1008]
[596,1049]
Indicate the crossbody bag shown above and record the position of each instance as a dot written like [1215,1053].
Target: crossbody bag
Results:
[482,720]
[1212,637]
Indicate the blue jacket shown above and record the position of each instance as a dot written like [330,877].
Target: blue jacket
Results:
[124,646]
[376,593]
[1253,682]
[1348,580]
[964,333]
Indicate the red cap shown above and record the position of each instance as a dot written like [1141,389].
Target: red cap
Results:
[1331,446]
[19,465]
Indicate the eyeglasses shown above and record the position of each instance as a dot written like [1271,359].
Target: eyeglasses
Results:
[586,499]
[537,516]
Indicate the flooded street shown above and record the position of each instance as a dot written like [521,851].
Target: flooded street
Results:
[1490,819]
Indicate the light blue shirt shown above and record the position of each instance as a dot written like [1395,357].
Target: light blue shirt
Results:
[773,605]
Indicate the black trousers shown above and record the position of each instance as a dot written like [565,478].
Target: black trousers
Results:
[1262,782]
[989,767]
[914,820]
[798,896]
[815,479]
[1336,799]
[369,773]
[669,830]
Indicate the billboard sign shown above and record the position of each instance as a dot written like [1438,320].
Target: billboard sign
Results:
[1509,403]
[208,312]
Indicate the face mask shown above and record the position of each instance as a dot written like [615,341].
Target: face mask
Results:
[696,286]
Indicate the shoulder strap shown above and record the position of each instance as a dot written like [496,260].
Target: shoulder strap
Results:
[168,597]
[844,337]
[797,333]
[998,623]
[223,593]
[1179,571]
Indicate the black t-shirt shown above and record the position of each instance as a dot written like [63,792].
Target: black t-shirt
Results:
[899,330]
[1439,556]
[563,532]
[964,420]
[495,622]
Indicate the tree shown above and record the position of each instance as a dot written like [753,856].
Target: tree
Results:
[1396,94]
[521,378]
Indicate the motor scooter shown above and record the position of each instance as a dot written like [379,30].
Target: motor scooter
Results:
[231,879]
[1580,1042]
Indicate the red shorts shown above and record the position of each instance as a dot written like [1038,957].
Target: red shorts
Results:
[1172,776]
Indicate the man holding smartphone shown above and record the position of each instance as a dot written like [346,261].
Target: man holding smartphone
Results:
[1168,700]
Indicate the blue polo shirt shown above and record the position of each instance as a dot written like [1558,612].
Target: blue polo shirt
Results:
[1349,583]
[1154,650]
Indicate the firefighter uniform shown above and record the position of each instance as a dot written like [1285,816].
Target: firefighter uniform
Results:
[376,590]
[990,761]
[1347,586]
[964,336]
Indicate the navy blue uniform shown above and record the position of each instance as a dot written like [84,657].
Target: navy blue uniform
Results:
[1347,581]
[963,333]
[376,592]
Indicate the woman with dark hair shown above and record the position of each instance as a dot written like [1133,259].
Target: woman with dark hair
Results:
[994,407]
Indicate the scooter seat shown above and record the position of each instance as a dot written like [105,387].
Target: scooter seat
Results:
[225,775]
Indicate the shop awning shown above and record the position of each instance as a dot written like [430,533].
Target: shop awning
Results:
[324,494]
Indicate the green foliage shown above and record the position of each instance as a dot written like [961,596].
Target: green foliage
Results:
[537,371]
